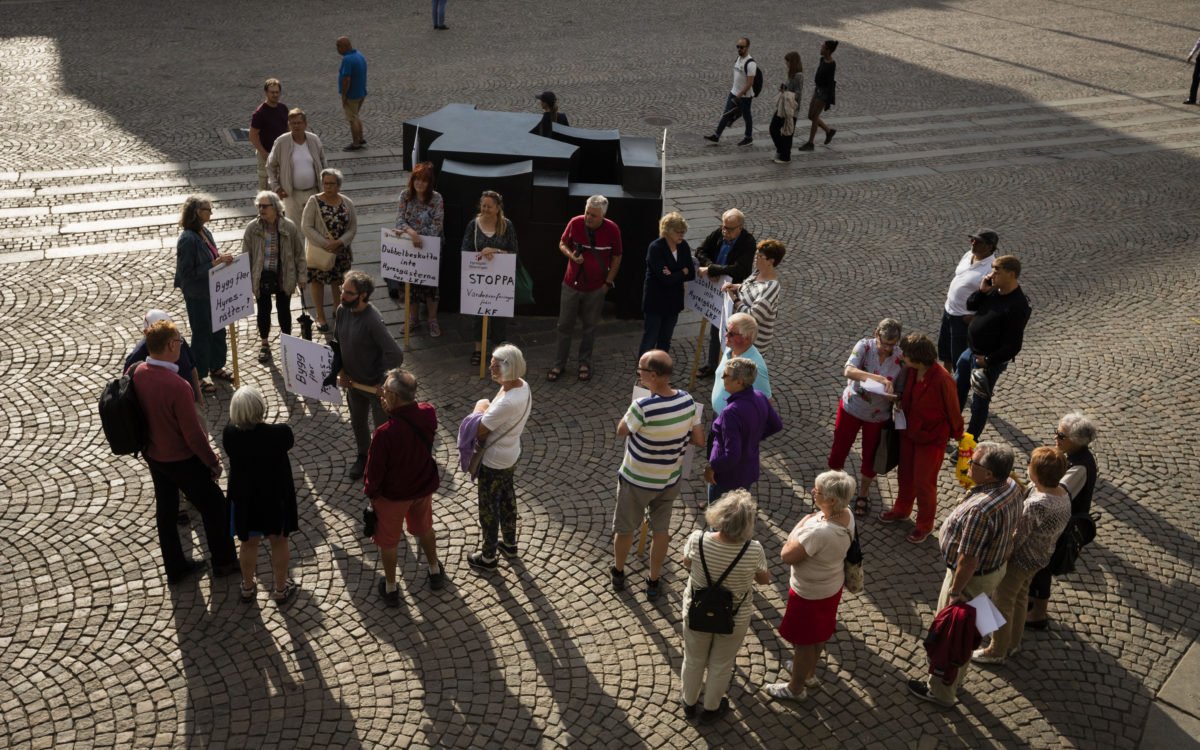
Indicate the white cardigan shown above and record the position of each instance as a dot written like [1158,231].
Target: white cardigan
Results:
[314,228]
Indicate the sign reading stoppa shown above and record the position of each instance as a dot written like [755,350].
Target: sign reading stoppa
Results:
[488,287]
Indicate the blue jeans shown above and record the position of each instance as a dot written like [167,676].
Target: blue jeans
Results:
[208,348]
[439,12]
[658,330]
[979,404]
[735,107]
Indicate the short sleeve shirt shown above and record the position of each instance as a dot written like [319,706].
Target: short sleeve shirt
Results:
[355,66]
[597,259]
[507,409]
[718,555]
[871,407]
[821,574]
[743,69]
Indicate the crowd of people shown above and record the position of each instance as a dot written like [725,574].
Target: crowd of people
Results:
[903,399]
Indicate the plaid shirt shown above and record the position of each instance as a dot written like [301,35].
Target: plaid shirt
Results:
[982,526]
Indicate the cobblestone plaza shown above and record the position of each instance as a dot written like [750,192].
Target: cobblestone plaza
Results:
[1057,123]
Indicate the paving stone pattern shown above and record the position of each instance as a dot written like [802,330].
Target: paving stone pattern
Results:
[1057,123]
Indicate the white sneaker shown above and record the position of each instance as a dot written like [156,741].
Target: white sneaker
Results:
[811,682]
[983,657]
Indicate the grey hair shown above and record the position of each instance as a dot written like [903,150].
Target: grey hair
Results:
[272,196]
[512,361]
[997,459]
[889,329]
[743,369]
[1079,429]
[598,201]
[402,383]
[335,174]
[733,515]
[247,408]
[837,486]
[745,324]
[737,213]
[362,283]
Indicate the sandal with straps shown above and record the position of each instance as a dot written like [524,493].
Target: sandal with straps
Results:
[554,374]
[290,589]
[862,506]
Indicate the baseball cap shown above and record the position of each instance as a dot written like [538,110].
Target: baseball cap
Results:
[986,235]
[548,97]
[154,316]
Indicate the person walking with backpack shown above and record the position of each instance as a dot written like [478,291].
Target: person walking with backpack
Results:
[816,550]
[741,95]
[724,563]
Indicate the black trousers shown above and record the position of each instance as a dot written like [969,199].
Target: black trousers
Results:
[283,310]
[193,477]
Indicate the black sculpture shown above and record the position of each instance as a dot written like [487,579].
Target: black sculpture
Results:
[544,181]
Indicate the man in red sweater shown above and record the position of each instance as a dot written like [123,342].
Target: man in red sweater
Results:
[180,458]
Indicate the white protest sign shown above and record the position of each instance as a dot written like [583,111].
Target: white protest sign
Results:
[229,293]
[689,452]
[305,365]
[704,295]
[489,287]
[400,260]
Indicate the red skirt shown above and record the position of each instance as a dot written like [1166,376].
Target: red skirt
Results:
[809,621]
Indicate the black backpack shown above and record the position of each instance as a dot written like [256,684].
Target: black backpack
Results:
[758,77]
[122,418]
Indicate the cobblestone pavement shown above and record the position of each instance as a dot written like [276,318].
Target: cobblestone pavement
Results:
[1058,123]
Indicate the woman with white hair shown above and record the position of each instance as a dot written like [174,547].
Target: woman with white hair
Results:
[276,249]
[725,550]
[816,550]
[499,437]
[261,489]
[329,223]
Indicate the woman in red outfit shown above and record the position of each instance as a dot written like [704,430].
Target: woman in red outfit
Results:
[932,416]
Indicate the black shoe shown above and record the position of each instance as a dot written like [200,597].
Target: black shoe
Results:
[618,579]
[1037,624]
[355,147]
[225,570]
[714,138]
[705,371]
[806,147]
[190,569]
[707,716]
[920,688]
[393,293]
[479,562]
[391,599]
[437,581]
[508,550]
[183,519]
[356,471]
[653,589]
[829,135]
[689,711]
[1189,101]
[746,141]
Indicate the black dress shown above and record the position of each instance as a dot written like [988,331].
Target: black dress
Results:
[261,488]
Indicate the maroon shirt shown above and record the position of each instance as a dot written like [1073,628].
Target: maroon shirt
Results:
[400,464]
[175,430]
[271,123]
[593,272]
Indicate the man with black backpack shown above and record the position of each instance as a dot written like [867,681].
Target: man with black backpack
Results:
[747,82]
[180,457]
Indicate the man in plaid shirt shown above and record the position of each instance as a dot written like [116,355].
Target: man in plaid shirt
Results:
[976,541]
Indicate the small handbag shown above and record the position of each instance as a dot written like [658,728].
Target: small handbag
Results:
[316,256]
[711,609]
[369,521]
[887,453]
[853,566]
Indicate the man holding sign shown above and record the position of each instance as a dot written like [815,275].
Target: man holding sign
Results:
[727,251]
[592,245]
[363,352]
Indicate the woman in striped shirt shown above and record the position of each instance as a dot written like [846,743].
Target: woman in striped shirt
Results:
[758,295]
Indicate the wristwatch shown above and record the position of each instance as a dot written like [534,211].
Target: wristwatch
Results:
[610,285]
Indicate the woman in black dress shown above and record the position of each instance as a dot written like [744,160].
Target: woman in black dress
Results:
[824,95]
[261,489]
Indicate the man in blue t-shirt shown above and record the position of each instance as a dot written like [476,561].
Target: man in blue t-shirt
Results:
[352,85]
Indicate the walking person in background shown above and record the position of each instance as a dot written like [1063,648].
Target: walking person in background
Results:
[1194,55]
[352,85]
[787,105]
[824,95]
[439,15]
[741,95]
[550,114]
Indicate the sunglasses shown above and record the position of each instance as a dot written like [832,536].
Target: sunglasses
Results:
[1059,436]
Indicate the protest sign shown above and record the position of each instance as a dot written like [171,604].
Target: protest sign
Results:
[704,295]
[400,260]
[488,286]
[305,365]
[229,293]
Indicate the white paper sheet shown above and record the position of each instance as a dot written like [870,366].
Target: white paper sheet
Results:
[987,618]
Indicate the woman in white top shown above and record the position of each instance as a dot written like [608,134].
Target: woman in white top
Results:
[732,518]
[504,419]
[758,295]
[816,550]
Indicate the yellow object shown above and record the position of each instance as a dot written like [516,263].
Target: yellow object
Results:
[966,449]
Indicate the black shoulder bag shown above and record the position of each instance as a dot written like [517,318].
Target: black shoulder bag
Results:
[711,610]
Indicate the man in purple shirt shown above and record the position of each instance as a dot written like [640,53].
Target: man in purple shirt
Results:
[747,418]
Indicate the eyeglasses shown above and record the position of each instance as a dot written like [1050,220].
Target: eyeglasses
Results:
[1059,436]
[644,369]
[178,341]
[727,228]
[264,205]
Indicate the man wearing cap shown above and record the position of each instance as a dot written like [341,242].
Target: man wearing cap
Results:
[550,114]
[741,95]
[994,336]
[971,269]
[592,245]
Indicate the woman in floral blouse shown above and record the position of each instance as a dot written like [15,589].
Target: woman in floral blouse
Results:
[422,213]
[330,222]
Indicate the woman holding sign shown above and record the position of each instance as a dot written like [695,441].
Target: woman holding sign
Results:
[195,253]
[329,225]
[422,212]
[668,267]
[487,234]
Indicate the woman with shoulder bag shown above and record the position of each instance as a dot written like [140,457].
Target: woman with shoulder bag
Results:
[726,551]
[816,550]
[487,234]
[329,225]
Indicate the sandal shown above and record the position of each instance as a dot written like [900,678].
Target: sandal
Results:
[323,327]
[553,374]
[290,589]
[208,387]
[435,330]
[264,353]
[862,506]
[222,374]
[248,594]
[585,373]
[475,358]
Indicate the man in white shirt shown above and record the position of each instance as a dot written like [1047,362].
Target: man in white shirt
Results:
[741,95]
[294,165]
[974,265]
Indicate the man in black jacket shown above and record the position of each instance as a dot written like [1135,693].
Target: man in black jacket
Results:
[994,337]
[728,251]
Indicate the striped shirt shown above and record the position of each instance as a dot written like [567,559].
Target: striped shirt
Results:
[718,555]
[982,526]
[760,299]
[659,429]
